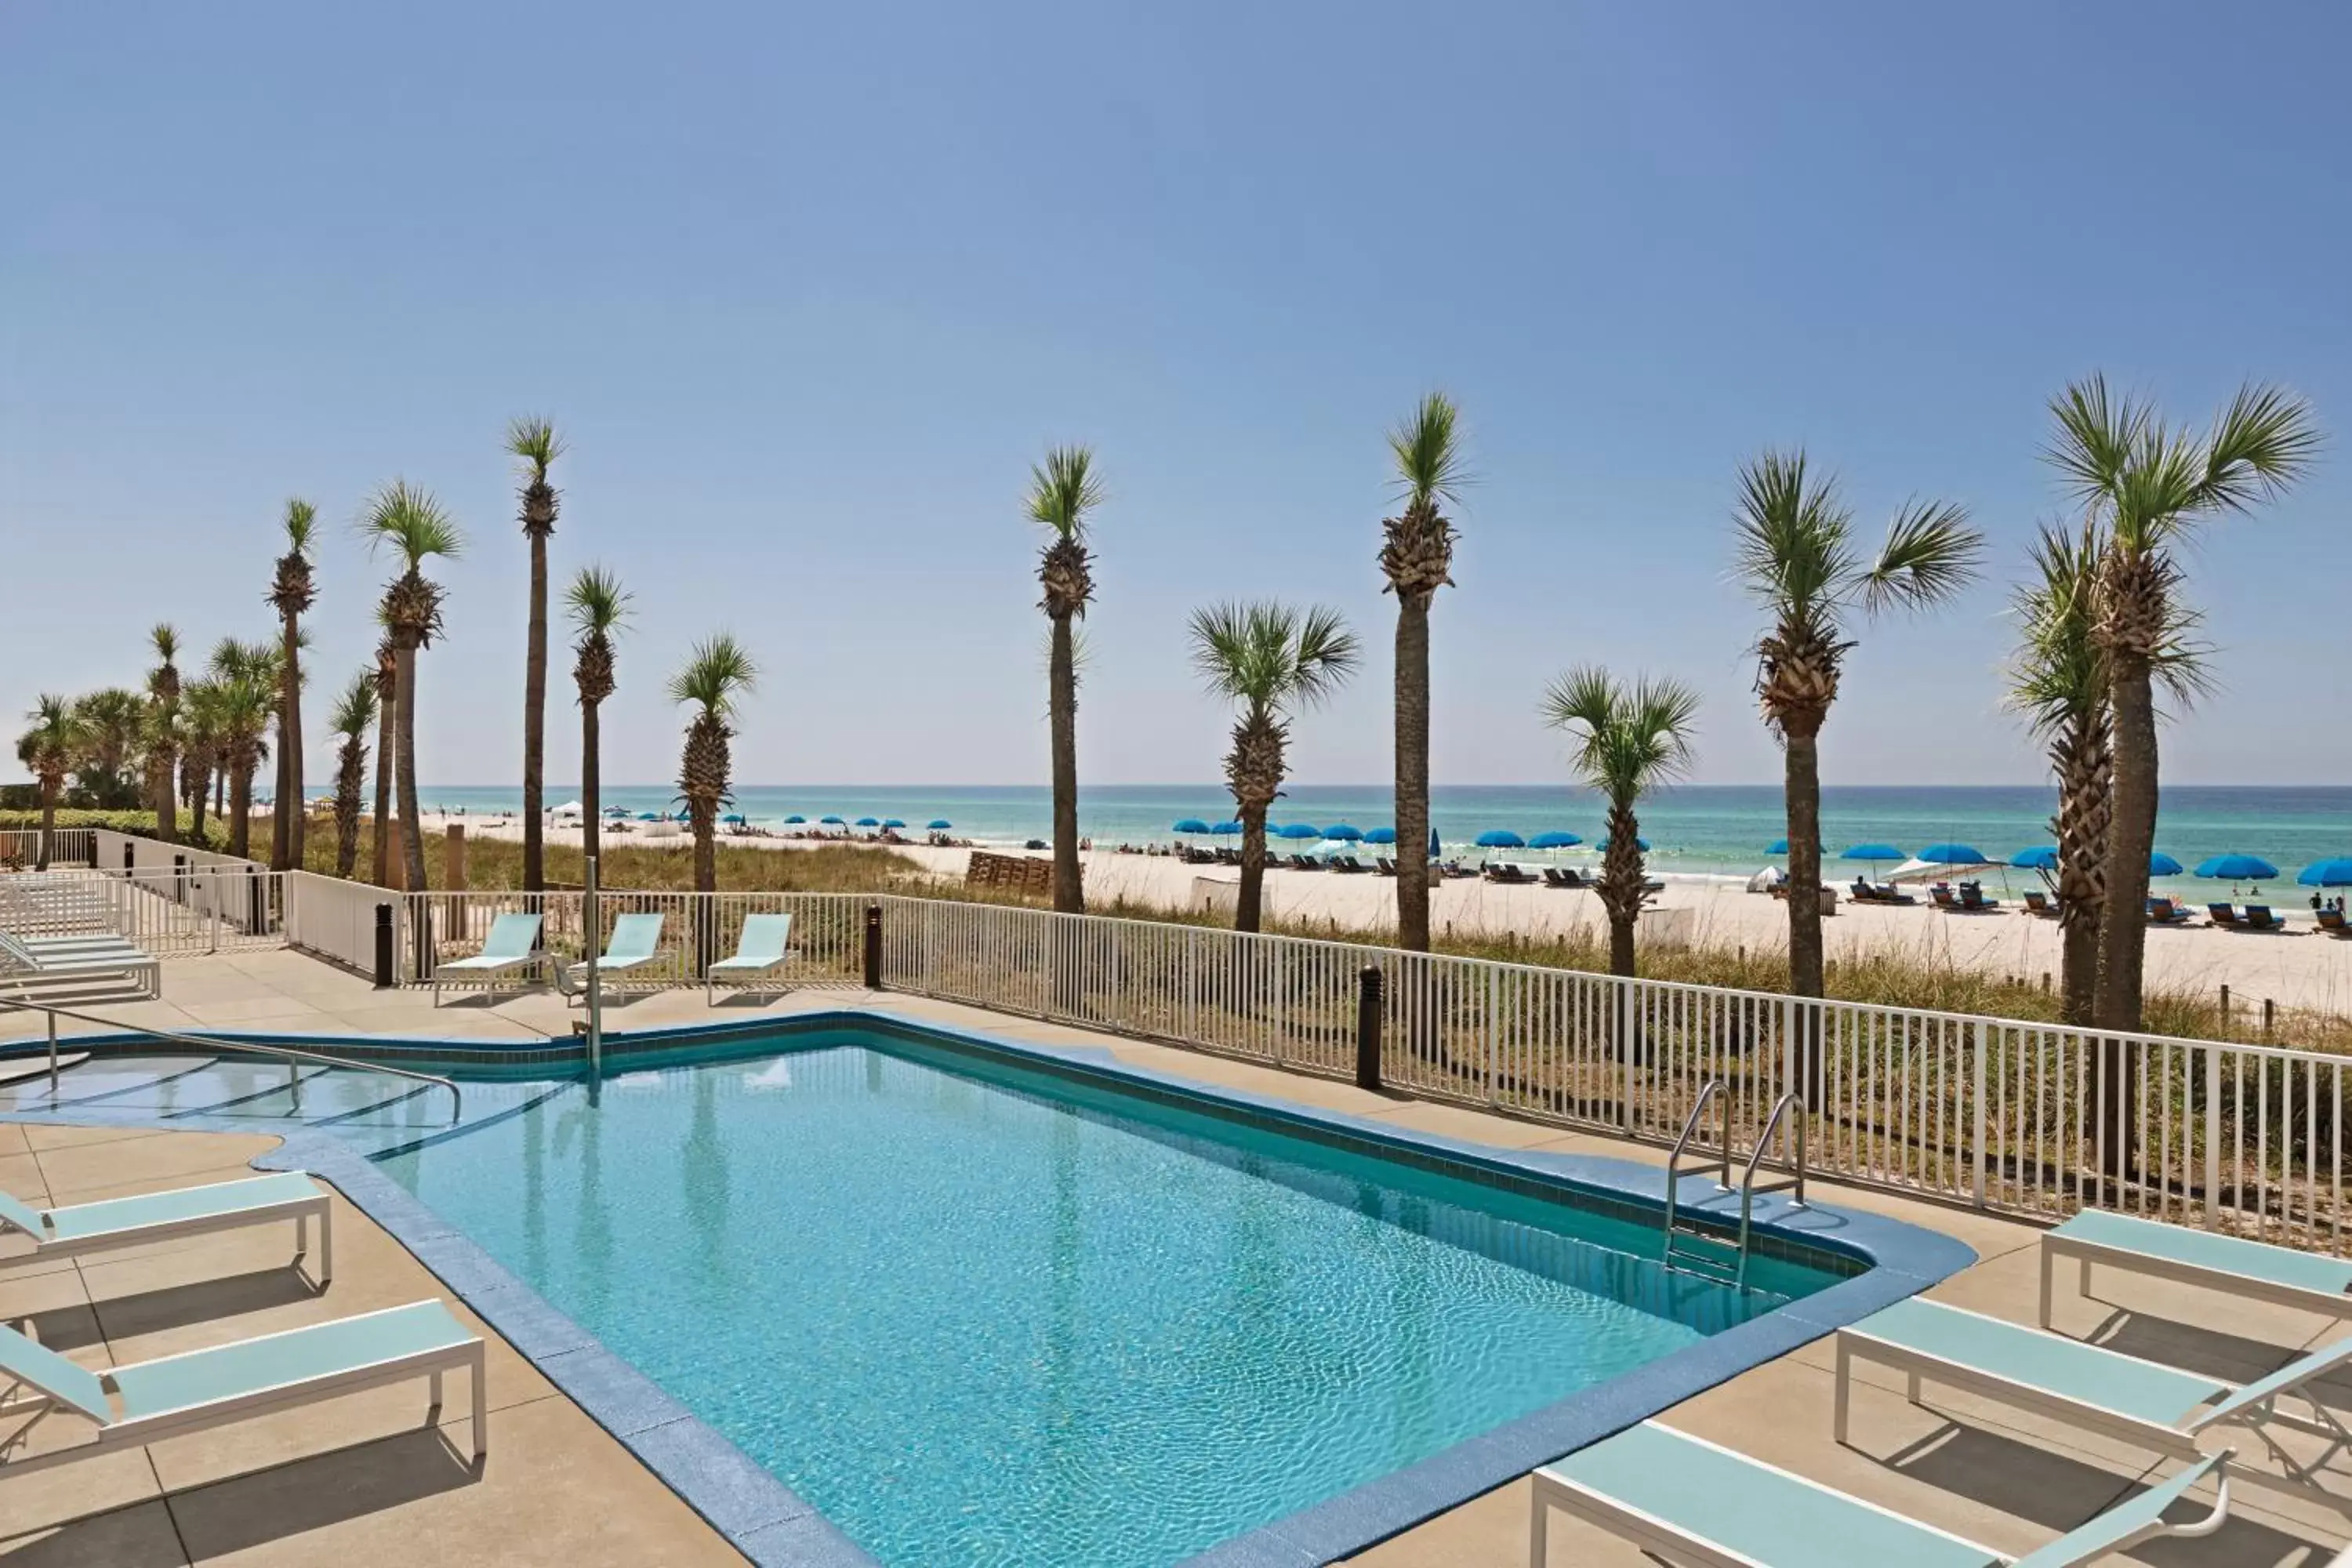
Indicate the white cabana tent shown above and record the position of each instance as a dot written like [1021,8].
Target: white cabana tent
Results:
[569,808]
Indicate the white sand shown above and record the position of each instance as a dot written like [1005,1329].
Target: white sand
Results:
[2304,970]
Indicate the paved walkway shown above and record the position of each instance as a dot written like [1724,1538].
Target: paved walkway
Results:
[2008,1480]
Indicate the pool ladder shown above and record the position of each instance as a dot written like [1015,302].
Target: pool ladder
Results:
[1693,1249]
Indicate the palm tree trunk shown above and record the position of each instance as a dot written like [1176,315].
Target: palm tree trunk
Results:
[350,767]
[706,847]
[1069,888]
[286,839]
[411,840]
[197,807]
[1621,886]
[591,781]
[1250,903]
[240,809]
[1412,776]
[162,794]
[534,726]
[1802,776]
[385,719]
[48,822]
[220,789]
[2123,931]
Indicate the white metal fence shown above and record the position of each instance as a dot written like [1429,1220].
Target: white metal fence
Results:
[231,907]
[696,929]
[21,846]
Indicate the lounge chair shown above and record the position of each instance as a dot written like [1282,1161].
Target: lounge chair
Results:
[1554,877]
[1972,899]
[2259,917]
[759,950]
[1347,864]
[2223,914]
[81,1228]
[2165,912]
[2247,1270]
[24,958]
[1384,866]
[2039,904]
[1685,1500]
[145,1401]
[513,943]
[2161,1408]
[635,942]
[2332,922]
[1504,871]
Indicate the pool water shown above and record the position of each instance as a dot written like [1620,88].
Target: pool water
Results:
[981,1314]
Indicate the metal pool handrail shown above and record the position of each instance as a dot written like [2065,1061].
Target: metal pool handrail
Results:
[254,1047]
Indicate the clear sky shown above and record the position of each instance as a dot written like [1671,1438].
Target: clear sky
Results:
[808,289]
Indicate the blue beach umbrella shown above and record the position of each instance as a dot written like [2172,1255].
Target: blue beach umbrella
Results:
[1380,835]
[1554,841]
[2159,864]
[1228,826]
[1189,825]
[2237,868]
[1500,838]
[649,816]
[2044,858]
[894,822]
[1778,846]
[1873,852]
[938,825]
[1343,833]
[831,822]
[1301,830]
[868,822]
[1639,843]
[616,811]
[733,819]
[2335,873]
[1434,848]
[1953,855]
[794,820]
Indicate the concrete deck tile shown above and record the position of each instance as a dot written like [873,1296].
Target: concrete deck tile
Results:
[139,1535]
[1470,1126]
[161,1160]
[20,1178]
[272,1015]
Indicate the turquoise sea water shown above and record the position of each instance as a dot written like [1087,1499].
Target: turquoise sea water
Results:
[1712,828]
[978,1316]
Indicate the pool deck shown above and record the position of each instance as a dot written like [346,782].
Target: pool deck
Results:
[361,1481]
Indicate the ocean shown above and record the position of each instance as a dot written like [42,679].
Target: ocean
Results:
[1695,829]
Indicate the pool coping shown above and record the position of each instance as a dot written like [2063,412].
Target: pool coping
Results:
[771,1524]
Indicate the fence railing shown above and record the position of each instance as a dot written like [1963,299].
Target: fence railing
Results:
[697,929]
[212,909]
[67,847]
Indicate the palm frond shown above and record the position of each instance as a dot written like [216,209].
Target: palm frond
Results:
[302,527]
[599,605]
[1629,739]
[1793,540]
[406,520]
[1063,488]
[1270,655]
[1930,554]
[1427,448]
[533,441]
[165,640]
[2262,443]
[2099,437]
[354,711]
[717,672]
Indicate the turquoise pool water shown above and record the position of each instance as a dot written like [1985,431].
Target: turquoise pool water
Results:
[979,1314]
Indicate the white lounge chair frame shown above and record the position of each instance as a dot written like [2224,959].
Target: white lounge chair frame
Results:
[79,958]
[315,1206]
[735,965]
[491,969]
[2057,1246]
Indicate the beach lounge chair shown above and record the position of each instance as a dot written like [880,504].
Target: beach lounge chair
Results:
[1504,871]
[145,1401]
[635,942]
[2165,912]
[2247,1270]
[2332,922]
[31,960]
[2142,1402]
[1972,899]
[1685,1500]
[1384,866]
[2222,914]
[81,1228]
[759,950]
[513,943]
[1944,899]
[1347,864]
[2039,904]
[2259,917]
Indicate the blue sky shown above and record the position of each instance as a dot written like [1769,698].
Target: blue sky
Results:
[807,289]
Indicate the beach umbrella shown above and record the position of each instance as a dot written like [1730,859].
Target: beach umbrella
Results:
[894,822]
[1639,843]
[2159,864]
[1189,825]
[2045,858]
[868,822]
[1434,849]
[794,820]
[616,811]
[1343,833]
[733,819]
[938,825]
[2237,868]
[1554,841]
[649,816]
[1501,839]
[831,822]
[1778,846]
[1380,835]
[1301,830]
[1228,826]
[1953,855]
[2335,873]
[1873,853]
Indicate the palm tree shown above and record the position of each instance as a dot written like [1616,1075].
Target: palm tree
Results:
[599,608]
[1273,661]
[107,770]
[354,716]
[387,688]
[48,750]
[535,447]
[163,731]
[200,742]
[2149,485]
[407,521]
[716,674]
[1630,740]
[290,593]
[1417,558]
[244,678]
[1063,491]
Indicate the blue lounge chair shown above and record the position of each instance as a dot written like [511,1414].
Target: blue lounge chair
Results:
[2149,1405]
[513,943]
[2244,1269]
[635,942]
[760,950]
[146,1401]
[165,1216]
[1688,1501]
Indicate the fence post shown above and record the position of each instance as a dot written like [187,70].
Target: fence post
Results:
[1625,1012]
[1977,1074]
[128,863]
[2212,1138]
[874,947]
[179,878]
[257,902]
[90,854]
[1367,1027]
[383,947]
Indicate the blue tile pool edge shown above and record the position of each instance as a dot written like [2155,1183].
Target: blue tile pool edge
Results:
[770,1523]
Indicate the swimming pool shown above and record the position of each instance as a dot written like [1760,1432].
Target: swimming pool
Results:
[979,1304]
